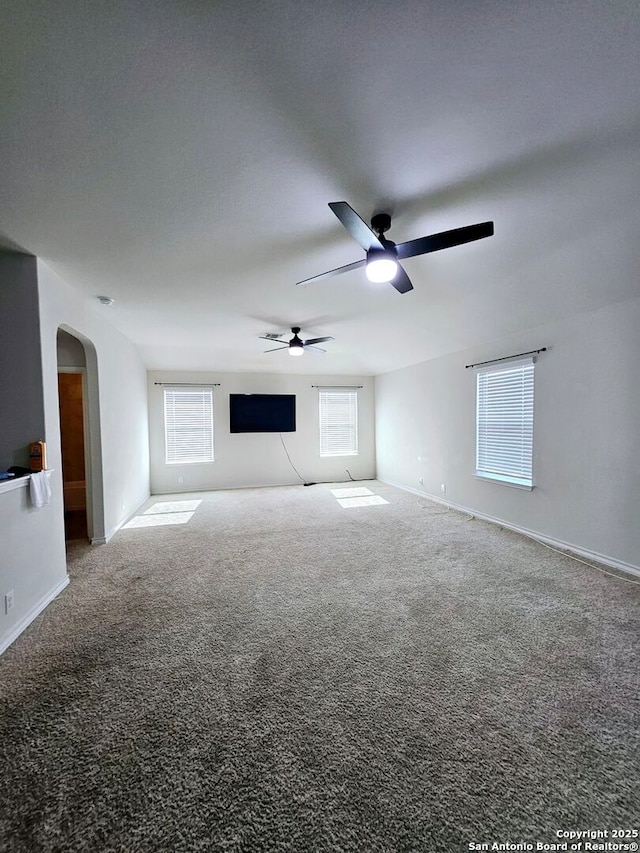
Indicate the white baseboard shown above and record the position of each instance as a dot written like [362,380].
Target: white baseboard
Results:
[35,611]
[226,488]
[542,537]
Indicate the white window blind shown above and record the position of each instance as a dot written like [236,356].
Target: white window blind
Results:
[188,424]
[504,428]
[338,423]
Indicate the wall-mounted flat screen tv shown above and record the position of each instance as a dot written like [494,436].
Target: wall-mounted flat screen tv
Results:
[262,412]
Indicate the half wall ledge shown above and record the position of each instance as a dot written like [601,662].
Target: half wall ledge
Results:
[19,482]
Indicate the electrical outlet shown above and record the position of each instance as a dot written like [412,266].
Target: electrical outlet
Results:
[181,479]
[421,480]
[443,488]
[8,601]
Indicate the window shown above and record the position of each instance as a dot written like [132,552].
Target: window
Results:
[504,425]
[338,423]
[188,424]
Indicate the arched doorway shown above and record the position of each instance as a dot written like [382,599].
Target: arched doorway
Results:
[80,437]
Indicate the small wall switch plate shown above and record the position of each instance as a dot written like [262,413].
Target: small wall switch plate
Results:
[8,601]
[421,480]
[181,479]
[443,488]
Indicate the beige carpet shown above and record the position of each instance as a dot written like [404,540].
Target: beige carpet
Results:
[275,672]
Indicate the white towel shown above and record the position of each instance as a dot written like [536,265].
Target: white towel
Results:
[40,489]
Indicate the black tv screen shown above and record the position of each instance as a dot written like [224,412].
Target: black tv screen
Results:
[262,412]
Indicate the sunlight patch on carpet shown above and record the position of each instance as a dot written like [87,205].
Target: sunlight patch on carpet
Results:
[173,506]
[159,520]
[164,513]
[372,500]
[351,493]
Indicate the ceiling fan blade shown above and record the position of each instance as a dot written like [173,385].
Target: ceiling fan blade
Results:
[336,271]
[401,281]
[277,348]
[444,240]
[358,229]
[319,349]
[317,341]
[272,340]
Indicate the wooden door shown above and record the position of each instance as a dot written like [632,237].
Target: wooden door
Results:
[70,394]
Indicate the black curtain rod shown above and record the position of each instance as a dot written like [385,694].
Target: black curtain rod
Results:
[507,357]
[337,386]
[197,384]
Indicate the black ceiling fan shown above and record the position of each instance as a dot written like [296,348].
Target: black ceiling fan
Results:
[296,345]
[383,255]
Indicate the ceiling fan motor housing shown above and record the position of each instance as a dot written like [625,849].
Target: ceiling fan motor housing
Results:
[381,222]
[296,342]
[382,258]
[389,251]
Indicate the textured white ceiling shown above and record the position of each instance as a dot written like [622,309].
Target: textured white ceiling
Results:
[179,157]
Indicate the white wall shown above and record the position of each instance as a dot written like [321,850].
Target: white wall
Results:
[117,400]
[32,563]
[586,432]
[260,459]
[71,352]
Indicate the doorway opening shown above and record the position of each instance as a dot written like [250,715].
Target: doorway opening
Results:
[80,437]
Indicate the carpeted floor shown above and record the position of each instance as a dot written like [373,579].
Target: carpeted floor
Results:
[280,673]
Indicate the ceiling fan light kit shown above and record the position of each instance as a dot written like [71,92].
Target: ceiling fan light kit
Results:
[381,265]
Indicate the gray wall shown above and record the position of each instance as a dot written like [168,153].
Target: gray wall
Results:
[22,409]
[260,459]
[587,424]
